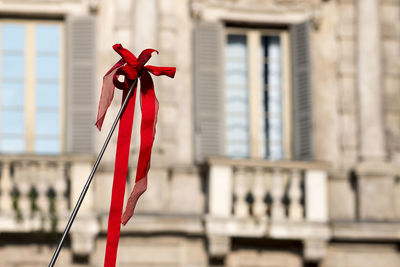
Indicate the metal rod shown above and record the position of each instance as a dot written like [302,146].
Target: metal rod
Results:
[90,178]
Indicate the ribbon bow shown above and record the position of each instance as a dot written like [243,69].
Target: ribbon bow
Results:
[131,68]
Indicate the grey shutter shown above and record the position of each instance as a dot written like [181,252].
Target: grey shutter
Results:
[302,93]
[81,70]
[208,54]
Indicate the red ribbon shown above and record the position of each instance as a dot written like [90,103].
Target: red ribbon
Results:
[131,68]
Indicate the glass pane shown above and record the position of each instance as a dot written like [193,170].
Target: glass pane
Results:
[236,121]
[236,96]
[12,126]
[47,95]
[12,145]
[273,107]
[238,150]
[12,37]
[48,38]
[235,93]
[12,121]
[47,123]
[236,48]
[237,107]
[47,145]
[12,66]
[12,94]
[236,73]
[47,68]
[237,135]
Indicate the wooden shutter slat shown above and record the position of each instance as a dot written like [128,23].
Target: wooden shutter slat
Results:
[81,47]
[208,94]
[302,93]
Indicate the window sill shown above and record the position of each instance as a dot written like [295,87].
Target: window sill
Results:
[292,164]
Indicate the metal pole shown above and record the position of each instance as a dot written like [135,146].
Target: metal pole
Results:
[90,178]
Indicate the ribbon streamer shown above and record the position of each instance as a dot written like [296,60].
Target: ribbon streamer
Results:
[131,68]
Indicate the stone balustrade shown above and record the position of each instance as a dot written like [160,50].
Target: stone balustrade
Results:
[258,198]
[274,193]
[245,198]
[34,192]
[38,192]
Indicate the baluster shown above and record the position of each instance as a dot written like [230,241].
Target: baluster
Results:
[277,212]
[295,208]
[259,207]
[6,186]
[60,187]
[42,188]
[32,175]
[241,208]
[268,190]
[24,188]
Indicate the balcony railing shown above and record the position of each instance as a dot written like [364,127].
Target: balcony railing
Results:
[37,193]
[257,198]
[34,192]
[245,198]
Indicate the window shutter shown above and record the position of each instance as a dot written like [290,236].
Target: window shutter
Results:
[208,42]
[302,93]
[81,67]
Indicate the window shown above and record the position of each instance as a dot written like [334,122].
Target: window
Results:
[256,93]
[252,92]
[31,87]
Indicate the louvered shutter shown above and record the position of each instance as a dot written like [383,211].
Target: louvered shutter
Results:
[81,47]
[208,102]
[302,93]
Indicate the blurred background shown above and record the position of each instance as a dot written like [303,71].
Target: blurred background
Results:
[277,142]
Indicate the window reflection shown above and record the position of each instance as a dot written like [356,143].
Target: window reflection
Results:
[12,124]
[47,122]
[19,44]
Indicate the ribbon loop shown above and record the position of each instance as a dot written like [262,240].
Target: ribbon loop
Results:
[131,68]
[125,54]
[144,57]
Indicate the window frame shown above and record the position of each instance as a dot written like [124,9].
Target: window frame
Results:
[30,83]
[253,37]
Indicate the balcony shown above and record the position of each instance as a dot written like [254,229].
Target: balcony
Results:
[263,199]
[38,192]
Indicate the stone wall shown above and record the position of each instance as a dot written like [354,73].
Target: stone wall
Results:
[365,255]
[147,251]
[390,45]
[342,195]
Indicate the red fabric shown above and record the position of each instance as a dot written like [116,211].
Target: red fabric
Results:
[107,93]
[131,68]
[120,174]
[147,133]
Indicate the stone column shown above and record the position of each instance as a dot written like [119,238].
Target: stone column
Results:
[220,209]
[144,34]
[145,26]
[369,81]
[86,227]
[375,176]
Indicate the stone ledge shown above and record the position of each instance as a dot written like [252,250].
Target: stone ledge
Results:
[237,227]
[299,230]
[186,224]
[376,169]
[10,224]
[262,227]
[65,157]
[366,231]
[261,163]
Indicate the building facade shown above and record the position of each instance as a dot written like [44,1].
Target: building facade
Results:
[278,140]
